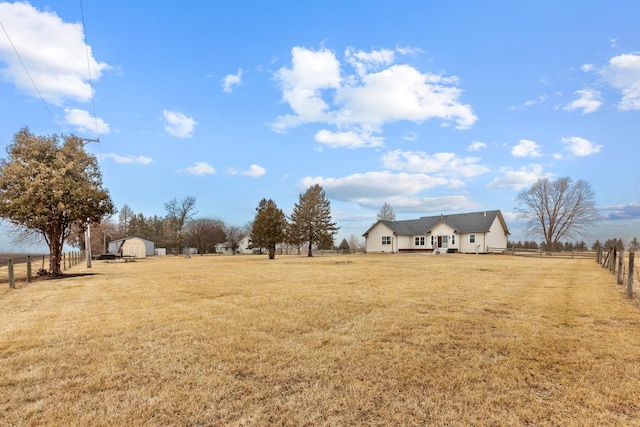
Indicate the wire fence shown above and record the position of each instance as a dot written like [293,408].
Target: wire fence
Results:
[16,268]
[621,265]
[538,253]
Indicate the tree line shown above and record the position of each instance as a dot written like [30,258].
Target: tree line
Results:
[310,223]
[52,189]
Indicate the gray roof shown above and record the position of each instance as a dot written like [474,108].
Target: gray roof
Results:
[474,222]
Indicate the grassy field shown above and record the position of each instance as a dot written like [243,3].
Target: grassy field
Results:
[339,340]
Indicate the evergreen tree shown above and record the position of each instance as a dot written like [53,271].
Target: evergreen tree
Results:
[268,227]
[310,221]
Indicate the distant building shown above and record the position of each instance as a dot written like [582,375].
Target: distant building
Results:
[243,247]
[132,246]
[475,232]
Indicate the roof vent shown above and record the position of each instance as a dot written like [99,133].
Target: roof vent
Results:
[485,213]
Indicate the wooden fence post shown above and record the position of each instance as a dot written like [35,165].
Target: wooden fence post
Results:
[620,268]
[12,279]
[630,276]
[28,268]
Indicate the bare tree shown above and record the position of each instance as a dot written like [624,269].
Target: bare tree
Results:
[557,209]
[124,217]
[204,234]
[354,243]
[387,213]
[178,213]
[234,235]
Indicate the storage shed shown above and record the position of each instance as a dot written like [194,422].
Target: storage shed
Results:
[132,246]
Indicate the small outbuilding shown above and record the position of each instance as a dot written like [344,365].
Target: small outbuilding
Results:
[132,246]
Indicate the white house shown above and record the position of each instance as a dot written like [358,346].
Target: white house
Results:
[475,232]
[243,247]
[132,246]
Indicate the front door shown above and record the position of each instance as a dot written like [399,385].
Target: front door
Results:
[443,241]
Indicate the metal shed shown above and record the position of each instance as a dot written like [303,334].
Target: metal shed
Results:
[132,246]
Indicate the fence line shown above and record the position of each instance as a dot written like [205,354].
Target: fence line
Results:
[614,261]
[21,268]
[538,253]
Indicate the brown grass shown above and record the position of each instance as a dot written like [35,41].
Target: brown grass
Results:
[353,340]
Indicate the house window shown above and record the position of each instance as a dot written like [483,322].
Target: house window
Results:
[433,241]
[419,241]
[386,240]
[472,238]
[453,239]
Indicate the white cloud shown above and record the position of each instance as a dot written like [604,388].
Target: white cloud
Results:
[179,125]
[589,101]
[477,146]
[318,91]
[580,147]
[349,139]
[310,73]
[623,73]
[440,164]
[363,62]
[201,168]
[410,136]
[143,160]
[587,67]
[517,179]
[422,205]
[254,171]
[53,52]
[401,92]
[539,100]
[409,50]
[231,80]
[84,122]
[374,185]
[526,148]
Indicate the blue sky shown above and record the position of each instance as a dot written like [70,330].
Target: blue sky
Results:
[433,107]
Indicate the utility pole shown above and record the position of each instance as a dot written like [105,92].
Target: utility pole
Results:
[87,244]
[87,232]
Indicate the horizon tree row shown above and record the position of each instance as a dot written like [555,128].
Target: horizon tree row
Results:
[309,224]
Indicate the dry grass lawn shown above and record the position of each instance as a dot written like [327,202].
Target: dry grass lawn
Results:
[324,341]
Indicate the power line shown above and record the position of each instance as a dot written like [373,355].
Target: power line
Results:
[93,100]
[86,47]
[46,106]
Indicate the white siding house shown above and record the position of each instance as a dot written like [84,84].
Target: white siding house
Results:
[243,247]
[475,232]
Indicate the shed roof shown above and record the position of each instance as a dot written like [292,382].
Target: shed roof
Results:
[129,238]
[473,222]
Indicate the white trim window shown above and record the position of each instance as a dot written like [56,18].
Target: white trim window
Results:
[433,241]
[472,238]
[419,241]
[453,239]
[386,240]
